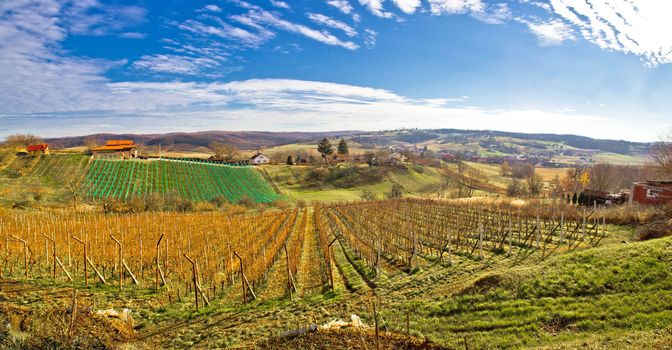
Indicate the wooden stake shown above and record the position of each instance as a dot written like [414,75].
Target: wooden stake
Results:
[25,255]
[86,275]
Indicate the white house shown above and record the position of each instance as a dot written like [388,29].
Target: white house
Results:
[260,158]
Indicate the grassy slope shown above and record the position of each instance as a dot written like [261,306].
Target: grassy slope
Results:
[603,296]
[289,180]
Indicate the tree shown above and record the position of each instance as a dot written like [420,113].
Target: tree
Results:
[290,161]
[22,140]
[515,188]
[505,168]
[603,176]
[343,147]
[522,170]
[369,157]
[224,151]
[90,143]
[535,184]
[395,192]
[662,155]
[367,194]
[557,189]
[325,148]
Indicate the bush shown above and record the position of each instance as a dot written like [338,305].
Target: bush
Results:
[367,195]
[245,201]
[396,192]
[219,201]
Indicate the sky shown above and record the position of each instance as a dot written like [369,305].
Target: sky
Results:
[599,68]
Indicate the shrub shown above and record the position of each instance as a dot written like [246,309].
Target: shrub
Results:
[367,194]
[396,192]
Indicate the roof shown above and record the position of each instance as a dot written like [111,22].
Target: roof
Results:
[114,148]
[40,147]
[258,155]
[120,143]
[655,183]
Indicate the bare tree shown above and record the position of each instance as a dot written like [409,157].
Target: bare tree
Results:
[224,151]
[22,140]
[662,155]
[602,176]
[535,184]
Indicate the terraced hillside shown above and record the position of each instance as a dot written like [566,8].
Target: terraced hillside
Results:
[195,180]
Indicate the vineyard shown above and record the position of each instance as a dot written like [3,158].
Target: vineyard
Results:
[395,249]
[198,181]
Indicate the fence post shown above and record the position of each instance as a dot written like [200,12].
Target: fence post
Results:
[121,266]
[25,255]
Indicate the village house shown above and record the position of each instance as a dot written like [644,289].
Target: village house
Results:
[116,149]
[260,158]
[397,158]
[38,149]
[651,192]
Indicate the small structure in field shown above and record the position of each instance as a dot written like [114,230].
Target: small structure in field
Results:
[38,149]
[116,149]
[260,158]
[651,192]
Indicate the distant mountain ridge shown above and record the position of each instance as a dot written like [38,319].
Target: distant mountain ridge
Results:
[249,140]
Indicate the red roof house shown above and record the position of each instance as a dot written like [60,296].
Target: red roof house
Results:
[38,149]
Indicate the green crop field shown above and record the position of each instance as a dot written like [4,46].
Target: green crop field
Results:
[195,180]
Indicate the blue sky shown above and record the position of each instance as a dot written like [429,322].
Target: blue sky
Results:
[587,67]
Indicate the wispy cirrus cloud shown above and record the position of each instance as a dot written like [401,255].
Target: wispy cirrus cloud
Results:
[330,22]
[642,28]
[257,17]
[175,64]
[342,5]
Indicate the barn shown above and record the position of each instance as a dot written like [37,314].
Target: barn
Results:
[116,149]
[260,158]
[651,192]
[38,149]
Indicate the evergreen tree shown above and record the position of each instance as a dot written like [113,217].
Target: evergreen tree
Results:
[325,148]
[290,160]
[342,147]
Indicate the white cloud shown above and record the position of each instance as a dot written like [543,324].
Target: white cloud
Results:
[370,38]
[639,27]
[407,6]
[553,32]
[132,35]
[495,14]
[255,17]
[330,22]
[454,7]
[213,8]
[343,5]
[280,4]
[228,31]
[174,64]
[376,7]
[91,17]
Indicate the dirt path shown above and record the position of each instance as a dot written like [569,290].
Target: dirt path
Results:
[309,276]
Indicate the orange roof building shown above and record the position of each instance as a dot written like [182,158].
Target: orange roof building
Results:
[116,149]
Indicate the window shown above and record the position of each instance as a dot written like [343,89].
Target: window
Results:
[653,192]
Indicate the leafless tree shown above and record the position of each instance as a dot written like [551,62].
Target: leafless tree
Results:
[22,140]
[662,155]
[602,176]
[535,184]
[224,151]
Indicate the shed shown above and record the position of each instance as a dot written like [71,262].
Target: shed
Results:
[653,192]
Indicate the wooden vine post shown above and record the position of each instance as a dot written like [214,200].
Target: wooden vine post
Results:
[25,255]
[53,251]
[195,281]
[121,267]
[290,280]
[243,280]
[86,275]
[159,272]
[330,258]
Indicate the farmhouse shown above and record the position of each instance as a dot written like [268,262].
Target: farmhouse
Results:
[260,158]
[651,192]
[38,149]
[116,149]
